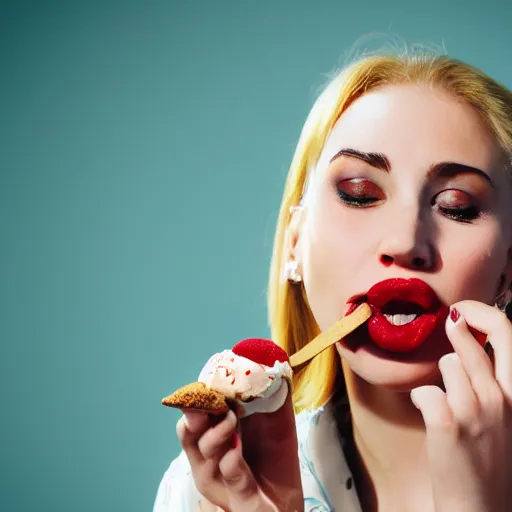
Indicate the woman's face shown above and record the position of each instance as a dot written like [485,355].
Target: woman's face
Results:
[410,184]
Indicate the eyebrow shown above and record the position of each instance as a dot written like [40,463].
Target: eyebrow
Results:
[441,169]
[377,160]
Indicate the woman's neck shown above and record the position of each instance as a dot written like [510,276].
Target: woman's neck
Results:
[390,462]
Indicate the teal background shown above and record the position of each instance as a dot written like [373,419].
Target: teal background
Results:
[144,147]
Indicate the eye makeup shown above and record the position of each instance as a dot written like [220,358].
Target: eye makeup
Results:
[359,192]
[456,205]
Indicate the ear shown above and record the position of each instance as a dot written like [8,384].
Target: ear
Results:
[292,252]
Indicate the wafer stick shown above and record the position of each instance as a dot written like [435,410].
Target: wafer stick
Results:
[327,338]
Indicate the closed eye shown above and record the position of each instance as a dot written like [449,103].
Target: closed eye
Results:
[456,205]
[359,192]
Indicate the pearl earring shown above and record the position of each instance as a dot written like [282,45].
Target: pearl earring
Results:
[292,272]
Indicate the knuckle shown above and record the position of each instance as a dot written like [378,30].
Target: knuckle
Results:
[208,450]
[502,318]
[203,483]
[475,429]
[235,480]
[466,411]
[210,445]
[232,468]
[497,399]
[216,439]
[495,407]
[442,425]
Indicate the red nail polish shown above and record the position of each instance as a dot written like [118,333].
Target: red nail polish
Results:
[236,440]
[454,314]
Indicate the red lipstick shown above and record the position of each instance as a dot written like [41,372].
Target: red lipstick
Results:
[405,313]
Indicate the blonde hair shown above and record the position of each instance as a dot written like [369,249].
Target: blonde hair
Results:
[291,320]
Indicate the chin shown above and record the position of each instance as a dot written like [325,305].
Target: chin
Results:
[399,372]
[392,375]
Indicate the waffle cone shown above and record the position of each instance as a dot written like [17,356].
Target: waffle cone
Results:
[199,397]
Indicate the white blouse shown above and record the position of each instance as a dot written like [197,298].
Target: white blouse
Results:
[327,482]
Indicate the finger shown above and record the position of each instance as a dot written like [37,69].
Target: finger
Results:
[189,429]
[498,328]
[196,422]
[215,438]
[433,405]
[239,479]
[474,359]
[460,395]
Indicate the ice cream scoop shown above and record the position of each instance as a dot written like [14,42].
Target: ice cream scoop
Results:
[255,376]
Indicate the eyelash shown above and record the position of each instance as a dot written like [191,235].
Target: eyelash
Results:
[356,201]
[466,214]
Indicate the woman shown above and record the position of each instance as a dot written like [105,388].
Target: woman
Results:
[402,171]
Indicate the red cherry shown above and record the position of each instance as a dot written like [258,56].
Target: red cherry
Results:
[260,351]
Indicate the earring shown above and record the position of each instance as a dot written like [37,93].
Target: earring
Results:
[292,272]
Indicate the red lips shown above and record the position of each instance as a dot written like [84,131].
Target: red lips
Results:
[403,296]
[413,291]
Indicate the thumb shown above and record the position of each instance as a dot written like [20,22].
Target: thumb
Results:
[270,448]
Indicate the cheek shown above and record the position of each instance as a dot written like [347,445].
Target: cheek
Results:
[335,243]
[341,236]
[473,261]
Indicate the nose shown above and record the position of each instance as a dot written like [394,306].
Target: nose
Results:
[407,242]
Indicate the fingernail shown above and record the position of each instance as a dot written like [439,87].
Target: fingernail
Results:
[236,440]
[454,314]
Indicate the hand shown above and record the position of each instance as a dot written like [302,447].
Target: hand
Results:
[469,436]
[257,470]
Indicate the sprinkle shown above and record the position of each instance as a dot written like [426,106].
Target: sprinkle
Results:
[233,381]
[271,377]
[248,372]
